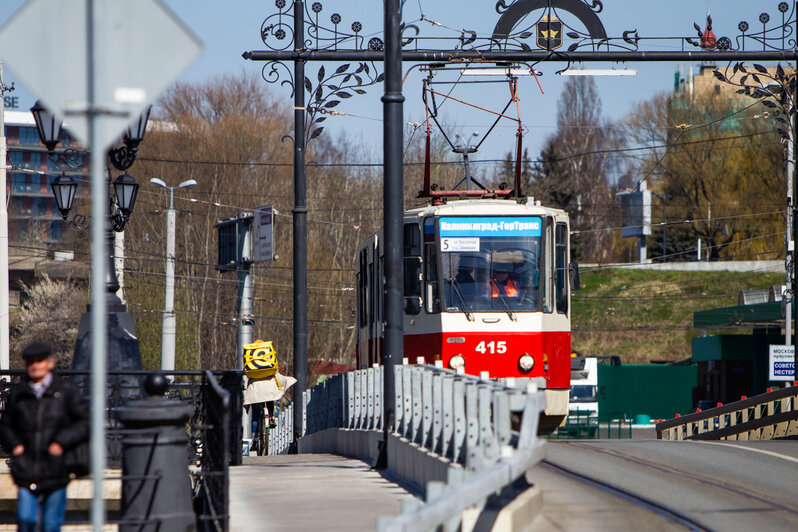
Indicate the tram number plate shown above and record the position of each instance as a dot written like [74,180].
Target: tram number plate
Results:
[491,347]
[449,245]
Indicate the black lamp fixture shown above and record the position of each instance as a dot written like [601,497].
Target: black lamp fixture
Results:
[48,127]
[125,189]
[135,133]
[122,157]
[64,188]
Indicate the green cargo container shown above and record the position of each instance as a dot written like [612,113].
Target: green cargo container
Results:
[659,392]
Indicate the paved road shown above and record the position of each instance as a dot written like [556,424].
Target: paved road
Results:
[309,492]
[719,485]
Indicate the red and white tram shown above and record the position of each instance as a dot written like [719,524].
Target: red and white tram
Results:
[486,288]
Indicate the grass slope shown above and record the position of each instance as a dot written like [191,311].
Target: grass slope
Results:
[646,315]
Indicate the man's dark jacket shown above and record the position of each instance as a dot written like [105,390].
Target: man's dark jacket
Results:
[59,416]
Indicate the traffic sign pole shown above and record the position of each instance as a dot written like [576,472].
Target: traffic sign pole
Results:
[88,63]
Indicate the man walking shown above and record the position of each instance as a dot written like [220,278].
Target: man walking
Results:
[44,418]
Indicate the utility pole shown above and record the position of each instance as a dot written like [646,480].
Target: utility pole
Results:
[169,323]
[300,225]
[245,317]
[792,153]
[393,200]
[663,198]
[789,238]
[5,360]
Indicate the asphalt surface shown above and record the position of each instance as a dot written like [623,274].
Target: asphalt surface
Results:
[309,492]
[719,485]
[726,486]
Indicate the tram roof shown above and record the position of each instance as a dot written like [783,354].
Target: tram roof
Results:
[485,207]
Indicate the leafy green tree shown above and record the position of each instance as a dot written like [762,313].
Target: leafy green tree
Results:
[720,173]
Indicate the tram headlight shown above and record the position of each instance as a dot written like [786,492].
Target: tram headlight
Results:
[526,362]
[456,362]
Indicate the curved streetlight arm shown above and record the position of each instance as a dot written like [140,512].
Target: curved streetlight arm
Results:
[162,183]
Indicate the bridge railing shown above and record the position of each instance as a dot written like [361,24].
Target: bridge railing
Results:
[481,433]
[214,432]
[763,417]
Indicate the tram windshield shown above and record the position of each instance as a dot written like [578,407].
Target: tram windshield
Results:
[491,264]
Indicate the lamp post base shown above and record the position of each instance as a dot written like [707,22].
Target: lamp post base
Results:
[123,346]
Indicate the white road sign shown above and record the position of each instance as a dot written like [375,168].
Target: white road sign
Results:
[140,48]
[263,223]
[781,363]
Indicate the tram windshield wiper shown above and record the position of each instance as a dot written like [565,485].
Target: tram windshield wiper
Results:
[466,307]
[506,305]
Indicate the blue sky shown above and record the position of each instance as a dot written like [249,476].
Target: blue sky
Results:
[231,27]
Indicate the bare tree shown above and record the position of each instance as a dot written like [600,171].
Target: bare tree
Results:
[717,165]
[230,136]
[50,312]
[577,167]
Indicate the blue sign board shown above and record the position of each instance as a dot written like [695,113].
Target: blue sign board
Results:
[489,226]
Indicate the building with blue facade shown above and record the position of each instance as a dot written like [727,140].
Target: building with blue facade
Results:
[32,214]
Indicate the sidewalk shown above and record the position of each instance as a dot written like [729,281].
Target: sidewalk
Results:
[309,492]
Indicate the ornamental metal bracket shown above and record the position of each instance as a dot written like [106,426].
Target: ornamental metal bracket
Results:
[527,30]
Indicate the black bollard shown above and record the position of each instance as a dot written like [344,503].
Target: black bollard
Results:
[156,491]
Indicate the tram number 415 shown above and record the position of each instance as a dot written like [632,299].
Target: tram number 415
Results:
[491,347]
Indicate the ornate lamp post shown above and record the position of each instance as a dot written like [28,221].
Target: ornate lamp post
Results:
[123,349]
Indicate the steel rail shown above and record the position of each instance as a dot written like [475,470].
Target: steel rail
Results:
[691,476]
[637,500]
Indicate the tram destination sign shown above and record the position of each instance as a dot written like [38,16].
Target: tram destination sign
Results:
[489,226]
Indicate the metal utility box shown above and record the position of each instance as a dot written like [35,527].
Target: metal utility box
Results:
[658,391]
[232,252]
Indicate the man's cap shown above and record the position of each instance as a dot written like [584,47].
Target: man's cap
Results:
[502,267]
[37,350]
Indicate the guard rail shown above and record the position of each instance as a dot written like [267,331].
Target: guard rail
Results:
[482,432]
[763,417]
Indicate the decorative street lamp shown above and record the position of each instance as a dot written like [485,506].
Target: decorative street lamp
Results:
[123,352]
[64,188]
[49,128]
[122,157]
[125,190]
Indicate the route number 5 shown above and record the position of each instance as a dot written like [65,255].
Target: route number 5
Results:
[492,347]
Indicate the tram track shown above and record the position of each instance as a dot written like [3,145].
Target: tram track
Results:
[661,510]
[690,487]
[736,490]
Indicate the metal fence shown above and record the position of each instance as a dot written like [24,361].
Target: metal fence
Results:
[211,482]
[485,430]
[767,416]
[214,432]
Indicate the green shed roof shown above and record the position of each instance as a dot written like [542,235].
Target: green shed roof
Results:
[739,316]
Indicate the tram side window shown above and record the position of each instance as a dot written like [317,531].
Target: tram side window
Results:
[363,286]
[412,268]
[433,300]
[379,288]
[561,265]
[548,286]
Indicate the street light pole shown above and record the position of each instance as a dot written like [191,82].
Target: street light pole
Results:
[4,290]
[169,323]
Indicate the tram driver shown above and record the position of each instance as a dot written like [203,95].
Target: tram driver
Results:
[502,283]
